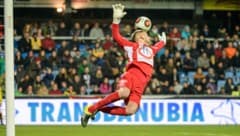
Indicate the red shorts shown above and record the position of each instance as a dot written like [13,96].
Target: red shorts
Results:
[135,80]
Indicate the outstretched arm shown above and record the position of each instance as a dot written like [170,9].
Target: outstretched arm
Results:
[159,45]
[118,14]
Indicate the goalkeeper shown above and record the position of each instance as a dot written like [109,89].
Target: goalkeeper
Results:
[138,71]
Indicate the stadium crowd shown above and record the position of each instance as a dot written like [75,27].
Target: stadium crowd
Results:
[190,63]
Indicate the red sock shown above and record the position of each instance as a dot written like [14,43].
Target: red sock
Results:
[105,101]
[114,110]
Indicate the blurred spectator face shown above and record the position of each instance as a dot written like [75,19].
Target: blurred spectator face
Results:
[63,71]
[105,80]
[30,90]
[83,90]
[175,30]
[38,78]
[77,25]
[163,71]
[42,53]
[49,70]
[54,54]
[76,78]
[199,70]
[55,87]
[86,70]
[108,37]
[235,37]
[230,44]
[26,35]
[210,71]
[96,25]
[64,43]
[165,24]
[86,26]
[64,84]
[62,25]
[237,28]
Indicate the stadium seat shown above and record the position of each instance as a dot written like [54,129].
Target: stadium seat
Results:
[220,84]
[24,55]
[229,74]
[191,76]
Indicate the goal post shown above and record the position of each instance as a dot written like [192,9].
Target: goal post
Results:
[9,66]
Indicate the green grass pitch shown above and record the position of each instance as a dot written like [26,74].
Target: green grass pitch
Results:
[161,130]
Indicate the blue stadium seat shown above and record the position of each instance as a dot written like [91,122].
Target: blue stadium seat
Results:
[238,74]
[220,84]
[24,55]
[57,46]
[191,76]
[229,74]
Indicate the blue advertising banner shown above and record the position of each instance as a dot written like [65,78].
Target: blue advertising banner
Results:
[151,112]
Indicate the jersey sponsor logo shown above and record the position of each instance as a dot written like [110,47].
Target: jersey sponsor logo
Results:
[145,52]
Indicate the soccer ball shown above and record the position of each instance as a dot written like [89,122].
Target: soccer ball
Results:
[143,23]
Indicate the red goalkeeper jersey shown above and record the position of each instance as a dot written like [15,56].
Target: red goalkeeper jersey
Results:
[141,56]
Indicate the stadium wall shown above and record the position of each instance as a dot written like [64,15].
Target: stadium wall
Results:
[152,111]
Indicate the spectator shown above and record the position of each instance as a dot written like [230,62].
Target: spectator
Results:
[48,44]
[86,30]
[105,87]
[236,59]
[185,34]
[37,84]
[64,46]
[203,61]
[36,43]
[61,77]
[50,28]
[55,90]
[53,61]
[62,30]
[188,63]
[18,92]
[187,88]
[211,75]
[170,66]
[96,90]
[230,53]
[220,70]
[194,51]
[177,87]
[108,43]
[98,51]
[70,91]
[236,30]
[24,44]
[42,91]
[164,79]
[48,77]
[201,43]
[174,35]
[83,90]
[96,31]
[18,61]
[236,41]
[76,30]
[178,60]
[30,90]
[165,28]
[127,30]
[229,86]
[222,32]
[198,89]
[97,77]
[209,50]
[87,77]
[205,31]
[198,75]
[77,82]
